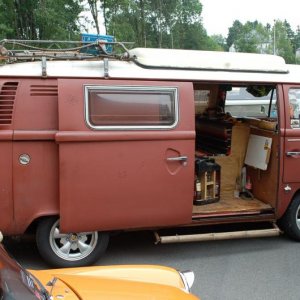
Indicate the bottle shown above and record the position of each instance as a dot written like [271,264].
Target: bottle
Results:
[237,189]
[198,189]
[243,179]
[248,185]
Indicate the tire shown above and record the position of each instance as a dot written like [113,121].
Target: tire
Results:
[69,249]
[290,222]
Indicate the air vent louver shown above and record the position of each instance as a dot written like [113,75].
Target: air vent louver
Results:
[7,100]
[43,90]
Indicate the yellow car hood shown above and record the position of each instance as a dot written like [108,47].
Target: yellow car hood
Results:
[116,282]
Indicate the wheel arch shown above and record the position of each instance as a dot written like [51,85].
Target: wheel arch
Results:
[283,208]
[32,227]
[290,221]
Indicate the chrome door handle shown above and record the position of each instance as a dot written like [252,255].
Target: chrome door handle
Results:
[178,158]
[292,153]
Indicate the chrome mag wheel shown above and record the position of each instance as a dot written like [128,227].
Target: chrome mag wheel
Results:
[72,246]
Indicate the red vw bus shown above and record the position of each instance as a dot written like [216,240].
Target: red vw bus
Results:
[141,139]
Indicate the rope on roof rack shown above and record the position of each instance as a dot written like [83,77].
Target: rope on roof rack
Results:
[16,50]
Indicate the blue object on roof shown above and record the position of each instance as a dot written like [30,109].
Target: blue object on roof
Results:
[91,38]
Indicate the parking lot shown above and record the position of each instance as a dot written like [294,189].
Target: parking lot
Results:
[265,268]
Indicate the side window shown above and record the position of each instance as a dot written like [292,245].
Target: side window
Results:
[122,107]
[294,105]
[251,101]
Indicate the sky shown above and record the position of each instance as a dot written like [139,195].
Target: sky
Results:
[219,15]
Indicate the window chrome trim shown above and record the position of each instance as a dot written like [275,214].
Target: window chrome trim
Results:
[171,90]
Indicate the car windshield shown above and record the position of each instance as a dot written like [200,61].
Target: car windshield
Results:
[16,283]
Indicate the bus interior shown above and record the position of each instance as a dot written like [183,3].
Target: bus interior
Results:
[236,159]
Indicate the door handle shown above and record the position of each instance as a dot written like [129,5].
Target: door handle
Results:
[292,153]
[182,159]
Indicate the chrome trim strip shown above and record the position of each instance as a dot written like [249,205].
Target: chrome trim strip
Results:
[293,140]
[101,135]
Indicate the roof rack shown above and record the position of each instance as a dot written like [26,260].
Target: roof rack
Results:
[23,50]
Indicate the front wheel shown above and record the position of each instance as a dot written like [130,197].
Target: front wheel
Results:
[69,249]
[290,222]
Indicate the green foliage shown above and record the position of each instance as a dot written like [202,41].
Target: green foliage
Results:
[283,42]
[253,37]
[7,16]
[157,23]
[39,19]
[218,42]
[146,23]
[94,6]
[296,45]
[235,31]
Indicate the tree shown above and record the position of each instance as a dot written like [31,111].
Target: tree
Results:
[94,6]
[297,39]
[121,20]
[6,16]
[234,32]
[158,23]
[283,45]
[253,37]
[218,42]
[296,43]
[250,37]
[39,19]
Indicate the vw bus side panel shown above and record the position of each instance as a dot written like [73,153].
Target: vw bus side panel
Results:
[34,153]
[8,99]
[6,203]
[118,179]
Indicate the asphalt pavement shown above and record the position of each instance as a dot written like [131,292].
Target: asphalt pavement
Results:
[261,268]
